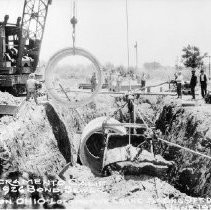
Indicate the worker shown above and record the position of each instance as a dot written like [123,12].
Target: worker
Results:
[31,87]
[143,80]
[93,82]
[113,83]
[118,82]
[130,100]
[179,82]
[193,83]
[138,78]
[203,82]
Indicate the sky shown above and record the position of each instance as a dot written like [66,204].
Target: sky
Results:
[160,27]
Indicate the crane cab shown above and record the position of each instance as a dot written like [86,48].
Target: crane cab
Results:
[18,56]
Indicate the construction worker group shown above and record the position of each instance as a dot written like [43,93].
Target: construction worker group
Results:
[193,83]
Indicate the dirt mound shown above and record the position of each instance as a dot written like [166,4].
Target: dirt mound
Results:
[31,142]
[6,98]
[119,191]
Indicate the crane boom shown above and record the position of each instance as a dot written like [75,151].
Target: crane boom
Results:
[33,26]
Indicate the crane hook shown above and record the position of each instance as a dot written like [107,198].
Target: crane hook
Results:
[73,21]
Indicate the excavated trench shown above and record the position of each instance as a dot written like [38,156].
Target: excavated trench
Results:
[190,128]
[191,174]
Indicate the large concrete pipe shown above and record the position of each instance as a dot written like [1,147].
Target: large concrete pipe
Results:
[51,70]
[92,143]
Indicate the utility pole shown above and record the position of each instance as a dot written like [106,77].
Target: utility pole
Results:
[177,63]
[136,51]
[128,51]
[209,66]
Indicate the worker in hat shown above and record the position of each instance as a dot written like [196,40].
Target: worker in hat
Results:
[179,82]
[193,83]
[203,83]
[143,81]
[93,82]
[31,87]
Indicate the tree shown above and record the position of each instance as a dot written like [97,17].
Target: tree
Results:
[192,57]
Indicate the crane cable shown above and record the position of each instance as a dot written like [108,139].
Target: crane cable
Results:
[74,21]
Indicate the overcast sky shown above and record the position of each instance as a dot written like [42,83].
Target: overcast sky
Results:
[161,28]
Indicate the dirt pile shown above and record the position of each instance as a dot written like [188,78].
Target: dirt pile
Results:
[83,190]
[6,98]
[31,142]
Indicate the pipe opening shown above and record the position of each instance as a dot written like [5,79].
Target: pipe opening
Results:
[93,144]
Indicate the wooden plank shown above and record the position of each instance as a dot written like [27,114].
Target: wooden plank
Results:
[128,125]
[8,109]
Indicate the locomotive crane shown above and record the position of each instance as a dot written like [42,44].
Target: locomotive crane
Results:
[20,45]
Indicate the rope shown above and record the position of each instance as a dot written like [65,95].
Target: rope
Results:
[174,144]
[139,114]
[64,92]
[74,110]
[105,121]
[185,148]
[151,145]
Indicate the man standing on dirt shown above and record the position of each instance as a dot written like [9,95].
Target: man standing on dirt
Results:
[31,87]
[179,81]
[203,82]
[93,82]
[118,83]
[143,80]
[193,83]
